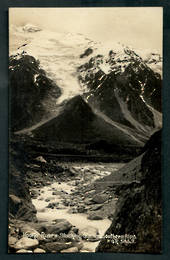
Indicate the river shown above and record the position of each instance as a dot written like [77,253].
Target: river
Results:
[60,192]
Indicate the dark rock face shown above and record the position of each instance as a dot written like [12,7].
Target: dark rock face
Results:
[86,53]
[20,205]
[151,166]
[15,203]
[138,211]
[32,93]
[122,86]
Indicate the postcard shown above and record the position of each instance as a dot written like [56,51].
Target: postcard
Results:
[85,113]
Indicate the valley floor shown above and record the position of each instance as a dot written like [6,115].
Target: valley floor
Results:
[70,200]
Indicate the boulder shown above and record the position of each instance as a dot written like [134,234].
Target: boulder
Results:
[81,209]
[26,243]
[84,251]
[72,211]
[52,205]
[89,233]
[39,250]
[60,225]
[74,229]
[79,245]
[60,207]
[34,194]
[56,193]
[70,250]
[12,241]
[30,232]
[95,216]
[99,198]
[88,201]
[73,237]
[23,251]
[96,207]
[56,246]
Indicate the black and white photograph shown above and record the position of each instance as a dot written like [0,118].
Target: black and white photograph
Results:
[85,120]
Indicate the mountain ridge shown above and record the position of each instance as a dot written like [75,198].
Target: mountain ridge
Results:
[78,123]
[121,90]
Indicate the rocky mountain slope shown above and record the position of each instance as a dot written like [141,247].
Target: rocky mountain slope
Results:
[138,211]
[124,88]
[78,123]
[32,94]
[119,85]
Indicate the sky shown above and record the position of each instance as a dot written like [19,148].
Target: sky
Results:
[139,27]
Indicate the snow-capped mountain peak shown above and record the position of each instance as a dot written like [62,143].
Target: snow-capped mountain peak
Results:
[61,53]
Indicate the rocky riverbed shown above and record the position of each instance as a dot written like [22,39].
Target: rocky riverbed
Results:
[72,215]
[63,207]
